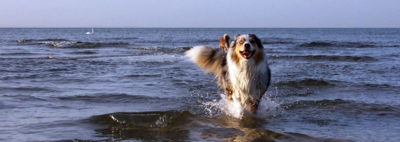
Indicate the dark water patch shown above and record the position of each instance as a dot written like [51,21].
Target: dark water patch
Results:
[156,119]
[303,137]
[58,69]
[87,52]
[165,49]
[144,75]
[384,85]
[300,93]
[205,41]
[372,86]
[319,122]
[22,76]
[277,40]
[338,44]
[80,44]
[111,98]
[305,82]
[25,98]
[167,125]
[6,106]
[316,44]
[27,89]
[124,38]
[18,54]
[87,57]
[310,103]
[391,46]
[380,110]
[346,106]
[183,49]
[326,58]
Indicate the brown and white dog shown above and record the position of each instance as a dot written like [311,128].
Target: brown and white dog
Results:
[241,68]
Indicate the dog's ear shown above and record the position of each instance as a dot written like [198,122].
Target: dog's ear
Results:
[233,43]
[224,42]
[258,41]
[237,37]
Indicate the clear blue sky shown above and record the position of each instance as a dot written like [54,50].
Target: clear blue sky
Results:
[200,13]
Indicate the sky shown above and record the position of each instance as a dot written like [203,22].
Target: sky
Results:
[201,13]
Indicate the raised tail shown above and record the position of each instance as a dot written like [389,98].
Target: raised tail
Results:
[208,58]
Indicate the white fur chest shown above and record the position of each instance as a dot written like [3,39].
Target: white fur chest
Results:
[247,78]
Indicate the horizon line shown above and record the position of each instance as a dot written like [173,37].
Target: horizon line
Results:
[211,27]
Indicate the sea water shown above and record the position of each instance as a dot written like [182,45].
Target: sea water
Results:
[60,84]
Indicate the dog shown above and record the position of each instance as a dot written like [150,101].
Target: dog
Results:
[241,68]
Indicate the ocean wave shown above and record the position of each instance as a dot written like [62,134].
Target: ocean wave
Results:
[87,52]
[140,119]
[326,57]
[27,98]
[313,103]
[107,98]
[206,41]
[124,38]
[305,82]
[38,40]
[277,40]
[382,85]
[18,54]
[338,44]
[80,44]
[164,49]
[346,106]
[64,43]
[27,89]
[144,75]
[148,126]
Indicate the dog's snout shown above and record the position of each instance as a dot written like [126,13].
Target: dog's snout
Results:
[246,45]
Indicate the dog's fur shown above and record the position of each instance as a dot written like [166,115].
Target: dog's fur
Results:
[241,68]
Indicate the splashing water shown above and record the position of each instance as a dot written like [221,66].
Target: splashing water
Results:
[267,108]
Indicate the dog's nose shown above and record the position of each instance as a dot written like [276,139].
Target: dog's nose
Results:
[246,46]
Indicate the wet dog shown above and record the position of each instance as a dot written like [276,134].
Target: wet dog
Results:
[241,68]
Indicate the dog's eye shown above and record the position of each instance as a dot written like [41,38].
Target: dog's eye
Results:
[252,41]
[241,42]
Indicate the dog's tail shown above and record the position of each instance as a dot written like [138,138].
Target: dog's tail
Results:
[208,58]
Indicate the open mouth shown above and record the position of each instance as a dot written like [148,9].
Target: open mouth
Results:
[247,54]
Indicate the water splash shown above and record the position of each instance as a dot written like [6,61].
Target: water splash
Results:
[267,108]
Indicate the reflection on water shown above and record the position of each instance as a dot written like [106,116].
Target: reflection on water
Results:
[185,126]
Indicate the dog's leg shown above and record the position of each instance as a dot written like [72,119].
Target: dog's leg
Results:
[251,107]
[229,92]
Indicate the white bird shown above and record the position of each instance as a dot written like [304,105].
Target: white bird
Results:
[88,33]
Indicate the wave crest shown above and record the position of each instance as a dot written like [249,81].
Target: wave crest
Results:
[326,57]
[338,44]
[64,43]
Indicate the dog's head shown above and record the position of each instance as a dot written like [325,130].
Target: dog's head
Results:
[247,47]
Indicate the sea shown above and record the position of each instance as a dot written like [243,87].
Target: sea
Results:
[135,84]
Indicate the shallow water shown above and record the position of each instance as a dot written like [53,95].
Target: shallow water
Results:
[135,84]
